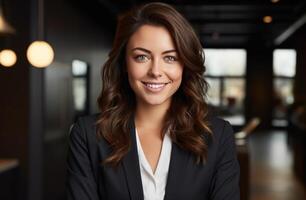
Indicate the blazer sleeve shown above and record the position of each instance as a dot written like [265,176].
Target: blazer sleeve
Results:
[81,184]
[225,184]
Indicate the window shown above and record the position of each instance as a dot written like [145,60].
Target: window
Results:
[80,87]
[284,65]
[225,74]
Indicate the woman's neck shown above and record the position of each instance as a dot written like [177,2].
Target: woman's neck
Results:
[150,117]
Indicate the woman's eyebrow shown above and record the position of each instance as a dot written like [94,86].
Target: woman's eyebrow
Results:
[149,52]
[170,51]
[142,49]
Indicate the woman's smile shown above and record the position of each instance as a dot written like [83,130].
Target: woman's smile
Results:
[155,87]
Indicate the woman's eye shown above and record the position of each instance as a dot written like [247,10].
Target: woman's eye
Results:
[141,58]
[170,59]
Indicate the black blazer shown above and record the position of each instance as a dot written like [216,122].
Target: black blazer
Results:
[218,179]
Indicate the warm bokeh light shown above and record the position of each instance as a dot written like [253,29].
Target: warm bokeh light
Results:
[267,19]
[5,27]
[40,54]
[7,58]
[274,1]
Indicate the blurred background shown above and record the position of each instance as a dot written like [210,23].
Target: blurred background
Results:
[256,66]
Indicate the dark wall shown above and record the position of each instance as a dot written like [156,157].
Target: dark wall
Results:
[73,35]
[14,89]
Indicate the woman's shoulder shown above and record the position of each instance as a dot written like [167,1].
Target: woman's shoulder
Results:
[88,120]
[85,130]
[85,126]
[222,144]
[221,129]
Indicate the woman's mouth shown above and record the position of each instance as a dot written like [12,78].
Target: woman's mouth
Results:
[154,87]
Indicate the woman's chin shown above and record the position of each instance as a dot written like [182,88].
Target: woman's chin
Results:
[155,102]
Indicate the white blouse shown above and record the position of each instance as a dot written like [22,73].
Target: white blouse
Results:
[154,185]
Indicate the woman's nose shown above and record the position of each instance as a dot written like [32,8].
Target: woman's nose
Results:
[155,69]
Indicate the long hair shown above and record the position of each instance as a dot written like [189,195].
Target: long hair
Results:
[186,119]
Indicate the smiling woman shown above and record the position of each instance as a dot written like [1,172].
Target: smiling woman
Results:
[153,138]
[153,68]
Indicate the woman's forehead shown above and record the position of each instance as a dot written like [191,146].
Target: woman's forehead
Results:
[153,38]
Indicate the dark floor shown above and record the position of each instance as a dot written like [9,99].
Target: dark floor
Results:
[272,177]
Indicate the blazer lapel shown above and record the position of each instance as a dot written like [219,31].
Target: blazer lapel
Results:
[177,170]
[131,168]
[178,164]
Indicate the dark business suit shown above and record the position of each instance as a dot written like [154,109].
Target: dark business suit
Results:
[218,179]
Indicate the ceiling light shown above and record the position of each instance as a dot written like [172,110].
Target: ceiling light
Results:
[274,1]
[267,19]
[7,58]
[5,27]
[40,53]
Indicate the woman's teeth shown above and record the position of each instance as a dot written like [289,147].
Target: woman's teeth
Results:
[155,85]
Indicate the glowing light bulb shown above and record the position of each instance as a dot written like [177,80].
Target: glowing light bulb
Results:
[7,58]
[40,54]
[267,19]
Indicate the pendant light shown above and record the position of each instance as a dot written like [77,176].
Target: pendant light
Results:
[5,27]
[8,58]
[40,53]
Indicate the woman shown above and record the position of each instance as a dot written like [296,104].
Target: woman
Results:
[153,138]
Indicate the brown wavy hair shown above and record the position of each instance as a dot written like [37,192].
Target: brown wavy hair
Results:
[187,115]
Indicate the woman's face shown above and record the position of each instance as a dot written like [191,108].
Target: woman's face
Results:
[153,66]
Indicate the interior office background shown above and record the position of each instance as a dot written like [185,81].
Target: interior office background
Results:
[255,69]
